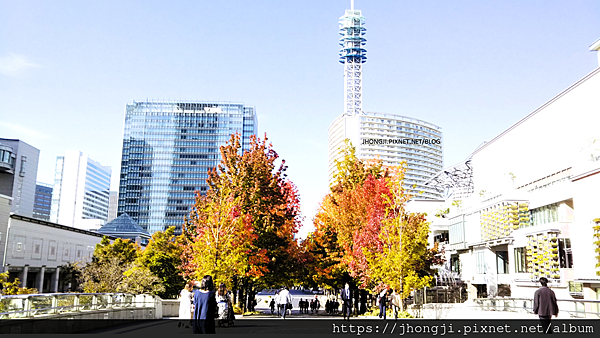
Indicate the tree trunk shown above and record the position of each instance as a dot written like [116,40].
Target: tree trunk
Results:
[243,295]
[250,299]
[401,298]
[235,289]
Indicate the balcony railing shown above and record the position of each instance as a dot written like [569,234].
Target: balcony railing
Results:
[34,305]
[575,308]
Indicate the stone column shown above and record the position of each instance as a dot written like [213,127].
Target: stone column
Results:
[40,280]
[55,277]
[24,276]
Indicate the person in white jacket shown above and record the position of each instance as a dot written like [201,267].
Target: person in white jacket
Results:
[277,304]
[185,303]
[285,298]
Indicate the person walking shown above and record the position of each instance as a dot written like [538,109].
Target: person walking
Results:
[185,303]
[544,305]
[205,306]
[285,298]
[223,304]
[317,304]
[346,295]
[272,305]
[382,300]
[277,303]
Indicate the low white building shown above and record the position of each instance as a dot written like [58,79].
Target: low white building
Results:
[34,250]
[525,208]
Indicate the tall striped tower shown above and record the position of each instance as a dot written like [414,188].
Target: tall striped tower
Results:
[352,55]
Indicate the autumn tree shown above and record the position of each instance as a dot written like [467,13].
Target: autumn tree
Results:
[254,211]
[372,195]
[114,269]
[349,216]
[162,256]
[362,228]
[139,279]
[124,250]
[218,238]
[404,261]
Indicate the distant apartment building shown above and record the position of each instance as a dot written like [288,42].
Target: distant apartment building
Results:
[168,147]
[392,139]
[18,174]
[80,195]
[43,201]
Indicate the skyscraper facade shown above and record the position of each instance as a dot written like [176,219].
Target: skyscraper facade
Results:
[391,138]
[43,201]
[81,191]
[168,148]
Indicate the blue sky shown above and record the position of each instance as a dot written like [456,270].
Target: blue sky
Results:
[472,67]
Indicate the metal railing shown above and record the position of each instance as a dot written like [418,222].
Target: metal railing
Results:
[575,308]
[32,305]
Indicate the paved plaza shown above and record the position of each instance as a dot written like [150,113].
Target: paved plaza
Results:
[274,324]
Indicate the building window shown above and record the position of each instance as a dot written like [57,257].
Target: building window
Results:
[456,231]
[520,260]
[23,161]
[565,254]
[545,214]
[502,262]
[480,262]
[455,263]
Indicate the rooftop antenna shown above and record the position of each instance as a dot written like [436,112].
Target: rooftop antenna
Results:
[352,5]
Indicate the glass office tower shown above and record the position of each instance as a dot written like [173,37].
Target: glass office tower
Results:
[168,148]
[42,204]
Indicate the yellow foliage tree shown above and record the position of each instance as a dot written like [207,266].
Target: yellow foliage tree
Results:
[219,238]
[404,262]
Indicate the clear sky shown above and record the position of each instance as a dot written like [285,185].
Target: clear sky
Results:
[472,67]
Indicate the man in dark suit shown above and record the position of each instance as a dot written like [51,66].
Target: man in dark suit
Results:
[346,296]
[544,305]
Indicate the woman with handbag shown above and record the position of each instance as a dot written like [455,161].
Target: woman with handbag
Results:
[224,306]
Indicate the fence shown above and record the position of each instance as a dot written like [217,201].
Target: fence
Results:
[36,305]
[438,295]
[575,308]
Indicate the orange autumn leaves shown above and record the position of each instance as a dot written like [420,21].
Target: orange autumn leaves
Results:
[245,224]
[362,228]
